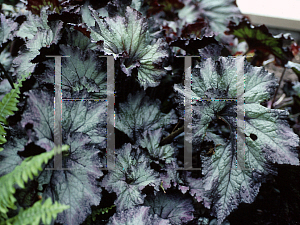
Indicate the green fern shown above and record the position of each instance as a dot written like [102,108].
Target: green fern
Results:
[8,105]
[101,210]
[93,216]
[19,175]
[38,211]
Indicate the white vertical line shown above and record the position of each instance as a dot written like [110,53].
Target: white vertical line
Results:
[240,162]
[188,134]
[110,113]
[58,115]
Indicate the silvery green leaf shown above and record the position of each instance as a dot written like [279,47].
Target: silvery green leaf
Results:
[78,39]
[177,208]
[86,15]
[6,29]
[4,88]
[139,114]
[39,37]
[83,69]
[128,36]
[130,176]
[217,13]
[137,215]
[6,60]
[77,187]
[296,88]
[151,141]
[9,158]
[83,129]
[268,137]
[29,28]
[78,116]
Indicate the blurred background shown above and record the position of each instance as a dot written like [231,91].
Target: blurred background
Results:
[279,17]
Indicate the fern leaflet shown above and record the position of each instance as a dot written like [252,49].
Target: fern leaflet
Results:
[34,214]
[19,175]
[8,105]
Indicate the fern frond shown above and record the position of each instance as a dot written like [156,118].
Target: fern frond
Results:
[102,211]
[19,175]
[9,104]
[96,212]
[38,211]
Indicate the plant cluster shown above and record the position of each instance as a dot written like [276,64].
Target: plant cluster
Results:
[148,40]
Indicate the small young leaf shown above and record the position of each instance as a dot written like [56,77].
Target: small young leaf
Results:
[129,178]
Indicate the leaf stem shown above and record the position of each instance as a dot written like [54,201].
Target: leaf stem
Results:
[247,52]
[7,76]
[171,136]
[175,127]
[278,87]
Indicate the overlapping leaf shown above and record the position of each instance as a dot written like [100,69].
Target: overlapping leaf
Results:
[151,141]
[130,176]
[76,187]
[196,189]
[138,215]
[6,60]
[86,15]
[38,34]
[128,36]
[6,29]
[198,17]
[218,13]
[259,38]
[83,125]
[87,117]
[79,39]
[29,28]
[178,209]
[80,70]
[9,157]
[268,136]
[206,46]
[170,175]
[139,114]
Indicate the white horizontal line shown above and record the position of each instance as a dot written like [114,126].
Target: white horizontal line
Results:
[78,99]
[215,99]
